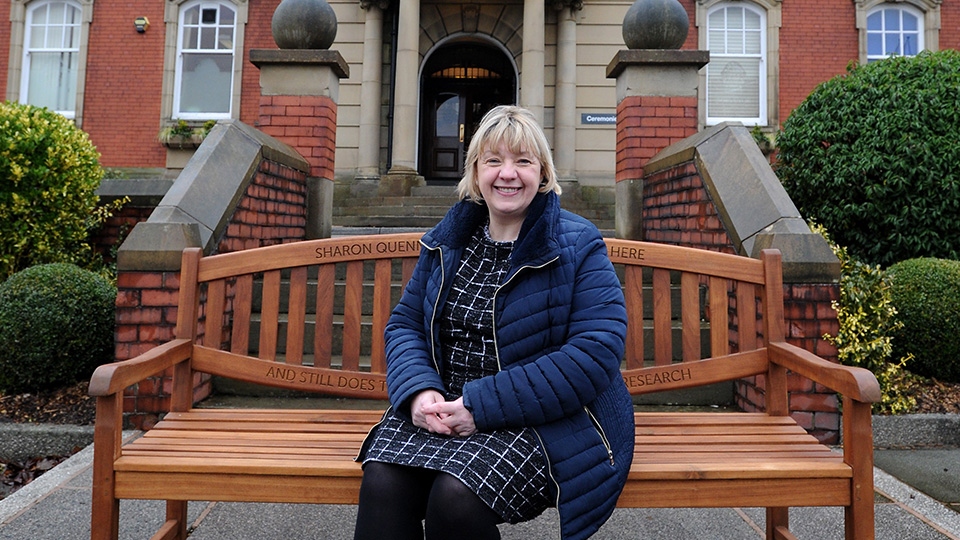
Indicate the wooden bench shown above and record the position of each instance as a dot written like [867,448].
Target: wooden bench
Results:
[322,307]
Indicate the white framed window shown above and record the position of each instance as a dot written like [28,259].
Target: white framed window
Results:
[51,56]
[736,77]
[902,27]
[205,62]
[894,31]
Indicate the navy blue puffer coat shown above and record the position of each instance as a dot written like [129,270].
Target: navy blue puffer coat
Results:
[560,330]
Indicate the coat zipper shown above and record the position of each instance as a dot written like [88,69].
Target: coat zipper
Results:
[603,435]
[436,304]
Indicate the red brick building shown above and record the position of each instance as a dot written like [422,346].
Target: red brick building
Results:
[125,71]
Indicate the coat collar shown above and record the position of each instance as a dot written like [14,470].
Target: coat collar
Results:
[536,243]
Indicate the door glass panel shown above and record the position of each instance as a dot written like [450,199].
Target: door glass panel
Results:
[448,117]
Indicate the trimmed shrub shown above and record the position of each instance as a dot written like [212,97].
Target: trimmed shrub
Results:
[56,327]
[49,174]
[867,318]
[926,292]
[871,156]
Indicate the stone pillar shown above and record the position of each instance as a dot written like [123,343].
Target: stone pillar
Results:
[565,119]
[403,169]
[531,70]
[656,107]
[299,89]
[368,155]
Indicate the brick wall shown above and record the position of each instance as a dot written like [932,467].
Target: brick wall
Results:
[648,124]
[271,211]
[677,210]
[308,123]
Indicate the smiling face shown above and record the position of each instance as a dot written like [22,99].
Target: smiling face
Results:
[508,181]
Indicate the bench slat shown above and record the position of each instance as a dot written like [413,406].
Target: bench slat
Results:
[269,315]
[296,315]
[323,341]
[242,306]
[754,492]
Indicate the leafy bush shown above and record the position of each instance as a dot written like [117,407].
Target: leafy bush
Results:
[56,326]
[872,156]
[926,293]
[49,174]
[867,318]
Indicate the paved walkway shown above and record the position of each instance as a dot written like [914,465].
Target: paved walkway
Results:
[57,507]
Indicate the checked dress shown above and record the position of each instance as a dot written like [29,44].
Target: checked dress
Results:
[506,468]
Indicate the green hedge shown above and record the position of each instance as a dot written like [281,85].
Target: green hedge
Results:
[926,293]
[56,326]
[872,156]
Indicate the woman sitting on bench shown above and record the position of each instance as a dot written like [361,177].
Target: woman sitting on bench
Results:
[503,361]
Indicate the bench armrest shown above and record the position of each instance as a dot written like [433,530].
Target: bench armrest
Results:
[112,378]
[856,383]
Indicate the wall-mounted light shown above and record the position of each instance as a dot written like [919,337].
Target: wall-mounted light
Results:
[141,24]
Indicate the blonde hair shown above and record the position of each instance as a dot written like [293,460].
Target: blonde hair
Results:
[517,129]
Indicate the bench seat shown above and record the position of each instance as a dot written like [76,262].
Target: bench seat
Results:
[293,455]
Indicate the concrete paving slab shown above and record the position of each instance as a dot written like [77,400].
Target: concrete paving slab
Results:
[934,471]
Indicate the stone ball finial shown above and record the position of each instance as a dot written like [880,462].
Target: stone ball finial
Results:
[655,24]
[304,24]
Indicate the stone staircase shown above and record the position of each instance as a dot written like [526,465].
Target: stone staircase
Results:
[363,208]
[424,208]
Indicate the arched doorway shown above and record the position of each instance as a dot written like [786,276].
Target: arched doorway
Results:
[460,83]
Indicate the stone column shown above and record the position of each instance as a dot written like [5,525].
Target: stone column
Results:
[532,63]
[403,169]
[368,153]
[656,107]
[565,107]
[299,90]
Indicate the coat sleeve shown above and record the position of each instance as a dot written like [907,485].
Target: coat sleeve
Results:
[410,364]
[579,360]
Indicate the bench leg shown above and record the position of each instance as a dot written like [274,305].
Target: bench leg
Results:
[105,518]
[177,514]
[777,518]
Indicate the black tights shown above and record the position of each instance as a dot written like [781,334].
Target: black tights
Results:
[395,501]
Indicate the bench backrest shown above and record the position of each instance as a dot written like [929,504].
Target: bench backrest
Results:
[310,315]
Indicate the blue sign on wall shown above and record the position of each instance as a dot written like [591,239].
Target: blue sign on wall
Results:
[598,118]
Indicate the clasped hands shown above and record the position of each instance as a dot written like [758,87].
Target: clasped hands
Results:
[432,412]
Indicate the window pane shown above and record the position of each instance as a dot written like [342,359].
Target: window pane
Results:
[192,15]
[734,88]
[910,44]
[891,19]
[874,44]
[54,37]
[226,16]
[875,21]
[38,35]
[226,39]
[910,22]
[53,80]
[208,38]
[752,20]
[448,117]
[191,35]
[206,83]
[716,41]
[752,43]
[892,44]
